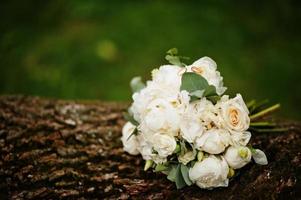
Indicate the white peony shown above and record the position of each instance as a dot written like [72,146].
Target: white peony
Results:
[213,141]
[130,143]
[209,173]
[153,91]
[234,113]
[207,113]
[161,116]
[168,75]
[237,157]
[198,117]
[206,67]
[164,145]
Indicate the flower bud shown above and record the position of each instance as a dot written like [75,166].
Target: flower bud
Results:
[200,156]
[231,172]
[148,164]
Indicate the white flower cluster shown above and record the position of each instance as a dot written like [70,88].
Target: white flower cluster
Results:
[209,138]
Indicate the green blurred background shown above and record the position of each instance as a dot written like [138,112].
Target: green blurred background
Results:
[91,49]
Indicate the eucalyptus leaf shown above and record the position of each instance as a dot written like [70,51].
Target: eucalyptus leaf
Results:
[210,91]
[137,84]
[214,99]
[198,93]
[185,174]
[135,132]
[198,87]
[161,167]
[175,60]
[172,51]
[192,82]
[172,173]
[130,118]
[180,182]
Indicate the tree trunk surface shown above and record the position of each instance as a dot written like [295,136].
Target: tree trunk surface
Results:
[54,149]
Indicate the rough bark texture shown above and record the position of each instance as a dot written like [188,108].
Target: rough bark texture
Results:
[53,149]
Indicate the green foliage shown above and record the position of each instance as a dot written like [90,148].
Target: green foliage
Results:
[185,175]
[137,84]
[130,118]
[178,173]
[198,87]
[173,58]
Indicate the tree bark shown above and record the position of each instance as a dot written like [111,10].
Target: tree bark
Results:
[54,149]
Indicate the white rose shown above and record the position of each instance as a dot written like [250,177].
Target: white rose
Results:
[209,173]
[130,143]
[187,157]
[259,157]
[237,157]
[206,67]
[168,75]
[161,116]
[234,113]
[164,144]
[213,141]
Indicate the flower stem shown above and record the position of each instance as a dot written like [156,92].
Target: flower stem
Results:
[259,124]
[273,130]
[265,112]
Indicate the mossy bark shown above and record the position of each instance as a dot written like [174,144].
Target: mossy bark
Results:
[53,149]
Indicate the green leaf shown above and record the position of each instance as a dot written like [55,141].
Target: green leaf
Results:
[180,182]
[175,60]
[197,93]
[137,84]
[185,174]
[210,91]
[161,167]
[198,87]
[214,99]
[177,149]
[172,173]
[192,82]
[135,132]
[130,118]
[172,51]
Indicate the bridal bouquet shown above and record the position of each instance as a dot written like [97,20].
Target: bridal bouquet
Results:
[184,126]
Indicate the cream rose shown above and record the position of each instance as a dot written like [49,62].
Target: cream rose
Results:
[237,157]
[209,173]
[234,113]
[213,141]
[130,143]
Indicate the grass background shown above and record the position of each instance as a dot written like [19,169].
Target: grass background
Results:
[89,49]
